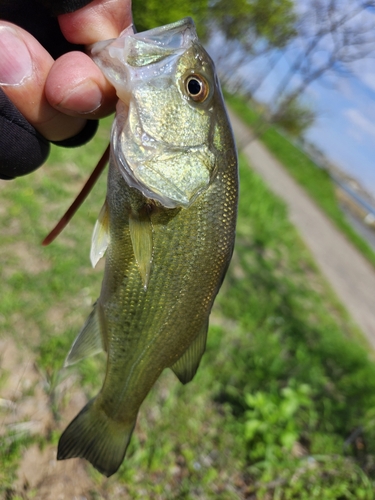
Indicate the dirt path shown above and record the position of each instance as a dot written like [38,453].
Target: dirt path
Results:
[348,272]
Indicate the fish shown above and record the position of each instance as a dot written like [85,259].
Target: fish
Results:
[167,228]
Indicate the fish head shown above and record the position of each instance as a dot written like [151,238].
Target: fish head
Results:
[165,135]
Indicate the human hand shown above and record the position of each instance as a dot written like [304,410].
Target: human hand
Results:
[57,97]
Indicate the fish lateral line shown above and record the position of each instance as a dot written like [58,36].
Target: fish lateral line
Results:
[80,198]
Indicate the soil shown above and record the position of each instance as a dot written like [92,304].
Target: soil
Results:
[26,408]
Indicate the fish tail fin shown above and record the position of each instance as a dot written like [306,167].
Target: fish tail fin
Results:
[97,438]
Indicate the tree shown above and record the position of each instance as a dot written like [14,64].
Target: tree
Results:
[327,37]
[332,34]
[249,29]
[249,21]
[295,118]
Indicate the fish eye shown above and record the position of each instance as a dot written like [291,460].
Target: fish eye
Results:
[196,87]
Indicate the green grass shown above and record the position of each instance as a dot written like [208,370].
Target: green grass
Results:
[280,390]
[314,180]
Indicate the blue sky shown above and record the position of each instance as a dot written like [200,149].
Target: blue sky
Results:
[345,105]
[345,125]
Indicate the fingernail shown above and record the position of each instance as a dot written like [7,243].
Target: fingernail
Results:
[15,60]
[85,98]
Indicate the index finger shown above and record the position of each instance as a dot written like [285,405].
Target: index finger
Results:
[75,85]
[99,20]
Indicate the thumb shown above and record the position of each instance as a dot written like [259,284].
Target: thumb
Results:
[24,67]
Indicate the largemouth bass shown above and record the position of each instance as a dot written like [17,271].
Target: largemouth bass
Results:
[167,227]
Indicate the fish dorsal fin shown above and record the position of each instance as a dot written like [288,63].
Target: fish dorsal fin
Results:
[89,340]
[186,367]
[141,235]
[100,236]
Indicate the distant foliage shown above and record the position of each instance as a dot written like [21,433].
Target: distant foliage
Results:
[295,118]
[247,21]
[152,13]
[242,20]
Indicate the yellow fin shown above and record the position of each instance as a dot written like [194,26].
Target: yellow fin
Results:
[89,340]
[141,235]
[186,367]
[97,438]
[100,236]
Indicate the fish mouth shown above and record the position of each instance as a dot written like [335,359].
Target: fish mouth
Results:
[171,170]
[128,57]
[171,37]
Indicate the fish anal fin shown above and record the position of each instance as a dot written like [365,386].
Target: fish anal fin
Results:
[186,367]
[97,438]
[89,341]
[141,236]
[100,236]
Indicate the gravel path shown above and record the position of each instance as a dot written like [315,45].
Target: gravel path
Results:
[348,272]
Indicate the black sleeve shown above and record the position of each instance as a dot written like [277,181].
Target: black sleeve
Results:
[22,148]
[38,17]
[64,6]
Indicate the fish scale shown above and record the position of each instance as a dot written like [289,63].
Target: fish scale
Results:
[169,232]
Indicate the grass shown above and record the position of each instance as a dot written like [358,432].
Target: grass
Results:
[314,180]
[283,405]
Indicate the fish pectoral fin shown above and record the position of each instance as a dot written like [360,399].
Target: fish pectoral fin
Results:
[141,236]
[89,341]
[186,367]
[97,438]
[100,236]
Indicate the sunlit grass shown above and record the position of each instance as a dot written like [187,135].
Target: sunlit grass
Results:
[277,334]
